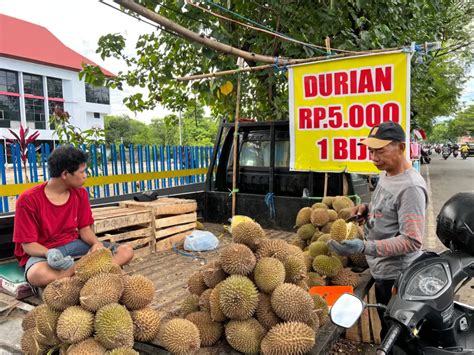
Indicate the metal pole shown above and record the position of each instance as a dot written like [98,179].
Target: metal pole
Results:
[180,133]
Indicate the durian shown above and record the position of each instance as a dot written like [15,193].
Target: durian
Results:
[318,248]
[100,290]
[114,326]
[138,292]
[237,259]
[189,304]
[249,233]
[265,313]
[306,231]
[346,277]
[288,338]
[320,205]
[196,284]
[319,217]
[303,216]
[238,297]
[180,336]
[146,324]
[63,293]
[93,264]
[273,248]
[209,331]
[86,347]
[292,303]
[269,273]
[245,336]
[75,325]
[341,202]
[327,265]
[213,274]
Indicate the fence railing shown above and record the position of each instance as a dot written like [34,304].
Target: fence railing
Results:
[112,170]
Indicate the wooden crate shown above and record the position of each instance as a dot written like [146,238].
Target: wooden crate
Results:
[367,328]
[175,219]
[135,227]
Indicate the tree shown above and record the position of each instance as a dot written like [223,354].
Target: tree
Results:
[123,129]
[351,25]
[463,123]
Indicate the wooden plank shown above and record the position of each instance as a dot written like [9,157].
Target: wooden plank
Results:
[172,221]
[144,232]
[375,322]
[353,333]
[161,233]
[153,228]
[364,324]
[108,224]
[139,242]
[167,243]
[165,206]
[122,212]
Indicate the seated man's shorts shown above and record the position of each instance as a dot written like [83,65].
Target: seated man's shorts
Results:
[75,249]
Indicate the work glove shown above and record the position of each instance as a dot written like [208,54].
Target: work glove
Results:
[58,261]
[347,247]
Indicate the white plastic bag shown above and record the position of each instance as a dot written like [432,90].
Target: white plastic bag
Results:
[201,241]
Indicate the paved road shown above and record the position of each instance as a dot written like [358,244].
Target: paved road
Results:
[444,179]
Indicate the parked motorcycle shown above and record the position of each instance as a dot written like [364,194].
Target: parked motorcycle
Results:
[455,153]
[422,315]
[464,155]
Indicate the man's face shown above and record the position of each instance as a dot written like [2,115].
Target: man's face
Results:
[78,178]
[388,157]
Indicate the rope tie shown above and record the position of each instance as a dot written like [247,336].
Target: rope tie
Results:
[277,68]
[183,253]
[270,202]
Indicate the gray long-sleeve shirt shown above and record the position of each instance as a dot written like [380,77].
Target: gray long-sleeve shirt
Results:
[396,223]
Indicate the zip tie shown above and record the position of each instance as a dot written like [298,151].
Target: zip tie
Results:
[278,68]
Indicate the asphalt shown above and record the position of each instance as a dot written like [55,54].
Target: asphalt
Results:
[446,178]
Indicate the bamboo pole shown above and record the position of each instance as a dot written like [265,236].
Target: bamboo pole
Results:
[236,142]
[193,36]
[280,64]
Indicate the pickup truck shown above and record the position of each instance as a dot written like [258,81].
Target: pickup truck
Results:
[263,169]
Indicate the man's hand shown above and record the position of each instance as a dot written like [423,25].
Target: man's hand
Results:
[96,246]
[347,247]
[359,212]
[58,261]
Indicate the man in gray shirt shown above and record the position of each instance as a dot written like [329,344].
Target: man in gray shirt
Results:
[395,217]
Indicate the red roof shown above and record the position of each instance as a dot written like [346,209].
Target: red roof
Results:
[33,43]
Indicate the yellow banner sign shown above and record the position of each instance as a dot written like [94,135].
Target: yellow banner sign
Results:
[335,103]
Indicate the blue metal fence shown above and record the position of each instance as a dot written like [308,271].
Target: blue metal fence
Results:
[105,161]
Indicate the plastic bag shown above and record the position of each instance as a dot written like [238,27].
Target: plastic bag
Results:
[201,241]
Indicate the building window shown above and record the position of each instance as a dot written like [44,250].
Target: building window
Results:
[33,84]
[97,95]
[96,115]
[35,112]
[8,81]
[9,111]
[55,88]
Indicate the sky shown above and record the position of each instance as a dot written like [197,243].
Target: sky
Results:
[80,23]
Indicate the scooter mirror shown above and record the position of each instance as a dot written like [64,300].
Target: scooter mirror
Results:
[346,310]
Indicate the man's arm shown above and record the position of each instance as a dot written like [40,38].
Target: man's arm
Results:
[411,219]
[35,249]
[88,236]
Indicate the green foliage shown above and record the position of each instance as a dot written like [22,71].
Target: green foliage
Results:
[67,133]
[351,25]
[452,130]
[196,129]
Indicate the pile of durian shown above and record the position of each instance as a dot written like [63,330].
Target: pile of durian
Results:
[316,225]
[254,296]
[99,310]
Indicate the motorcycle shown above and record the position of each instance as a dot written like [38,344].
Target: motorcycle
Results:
[464,154]
[422,315]
[446,153]
[455,153]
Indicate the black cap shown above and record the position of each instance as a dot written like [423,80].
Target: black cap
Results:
[384,134]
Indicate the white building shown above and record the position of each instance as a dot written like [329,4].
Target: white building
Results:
[38,72]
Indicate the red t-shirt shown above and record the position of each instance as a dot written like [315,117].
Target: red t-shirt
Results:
[39,220]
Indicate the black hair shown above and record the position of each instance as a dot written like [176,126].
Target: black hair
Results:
[67,158]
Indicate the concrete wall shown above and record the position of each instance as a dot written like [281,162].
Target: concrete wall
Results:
[74,95]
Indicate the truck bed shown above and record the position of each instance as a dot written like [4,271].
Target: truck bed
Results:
[170,271]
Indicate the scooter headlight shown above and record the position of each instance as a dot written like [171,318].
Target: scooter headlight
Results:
[428,282]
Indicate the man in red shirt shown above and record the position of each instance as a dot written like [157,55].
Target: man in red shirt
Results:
[53,221]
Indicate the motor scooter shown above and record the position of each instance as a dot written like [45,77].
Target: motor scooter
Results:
[422,316]
[446,153]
